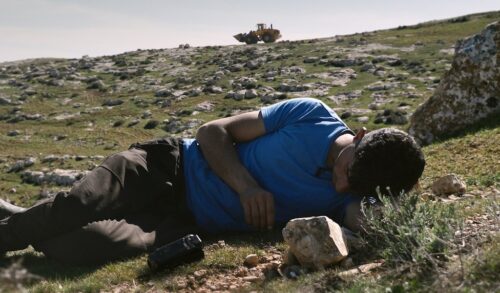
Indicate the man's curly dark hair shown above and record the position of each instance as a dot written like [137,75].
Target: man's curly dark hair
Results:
[388,159]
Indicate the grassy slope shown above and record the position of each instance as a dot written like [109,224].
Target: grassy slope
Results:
[472,156]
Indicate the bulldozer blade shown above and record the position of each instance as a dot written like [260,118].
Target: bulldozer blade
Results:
[240,37]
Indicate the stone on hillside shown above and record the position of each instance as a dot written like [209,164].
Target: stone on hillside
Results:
[342,77]
[205,106]
[380,72]
[22,164]
[146,114]
[65,116]
[36,117]
[397,117]
[5,101]
[253,64]
[394,63]
[29,92]
[251,260]
[270,74]
[338,99]
[244,82]
[292,70]
[13,133]
[449,184]
[112,102]
[236,67]
[133,122]
[386,58]
[468,92]
[239,95]
[363,119]
[272,96]
[151,124]
[293,86]
[97,85]
[194,92]
[251,94]
[58,177]
[54,73]
[381,86]
[311,59]
[213,89]
[316,242]
[342,62]
[55,82]
[163,93]
[51,158]
[118,123]
[368,67]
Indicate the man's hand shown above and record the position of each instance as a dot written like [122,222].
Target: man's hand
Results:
[258,205]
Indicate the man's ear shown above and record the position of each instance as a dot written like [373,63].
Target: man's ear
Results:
[359,135]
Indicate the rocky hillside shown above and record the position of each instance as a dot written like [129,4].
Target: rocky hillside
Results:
[59,117]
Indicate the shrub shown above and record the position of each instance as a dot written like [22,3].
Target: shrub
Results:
[409,233]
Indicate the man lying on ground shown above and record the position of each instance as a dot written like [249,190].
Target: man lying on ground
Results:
[252,171]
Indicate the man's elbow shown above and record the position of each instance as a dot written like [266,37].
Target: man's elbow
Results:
[208,131]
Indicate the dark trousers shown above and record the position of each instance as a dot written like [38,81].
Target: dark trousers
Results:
[132,203]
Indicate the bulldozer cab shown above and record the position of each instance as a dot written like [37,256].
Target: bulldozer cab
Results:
[261,26]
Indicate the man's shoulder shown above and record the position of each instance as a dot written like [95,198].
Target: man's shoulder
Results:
[304,101]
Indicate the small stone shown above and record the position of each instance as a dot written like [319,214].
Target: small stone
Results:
[181,284]
[133,122]
[241,272]
[13,133]
[13,190]
[163,93]
[60,137]
[271,271]
[112,102]
[251,260]
[200,273]
[251,279]
[449,184]
[360,269]
[146,114]
[22,164]
[151,124]
[250,94]
[363,119]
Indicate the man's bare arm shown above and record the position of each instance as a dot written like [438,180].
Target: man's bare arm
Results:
[216,139]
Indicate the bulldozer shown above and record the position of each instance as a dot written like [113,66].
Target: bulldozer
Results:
[263,33]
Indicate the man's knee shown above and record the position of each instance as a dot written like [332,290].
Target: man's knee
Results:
[97,243]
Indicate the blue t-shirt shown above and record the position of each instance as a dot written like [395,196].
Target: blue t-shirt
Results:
[285,161]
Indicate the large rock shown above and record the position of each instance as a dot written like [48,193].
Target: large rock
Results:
[58,177]
[316,242]
[468,92]
[22,164]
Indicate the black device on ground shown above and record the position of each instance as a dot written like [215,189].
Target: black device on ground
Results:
[184,250]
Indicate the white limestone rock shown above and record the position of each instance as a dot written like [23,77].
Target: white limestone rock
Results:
[59,177]
[316,242]
[468,92]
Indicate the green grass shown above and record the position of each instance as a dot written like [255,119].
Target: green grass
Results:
[407,242]
[407,239]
